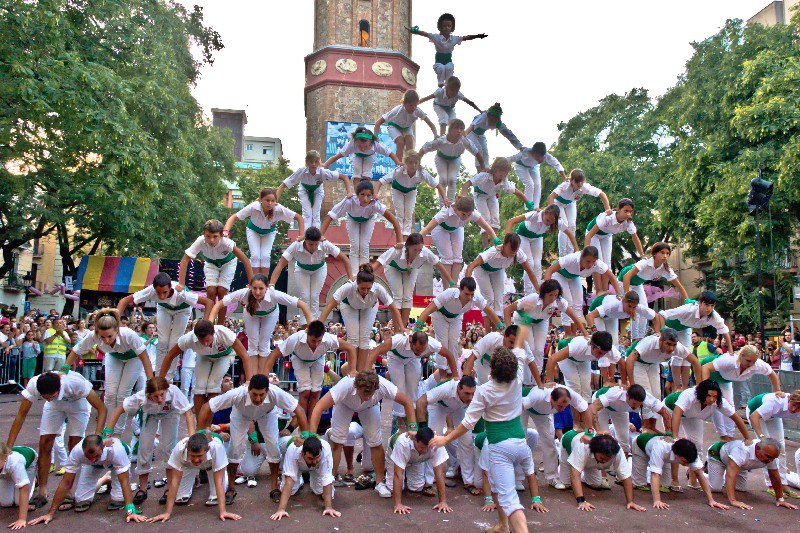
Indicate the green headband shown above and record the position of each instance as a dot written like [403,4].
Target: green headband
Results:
[494,112]
[365,136]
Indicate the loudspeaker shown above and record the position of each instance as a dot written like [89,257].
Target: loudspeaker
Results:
[759,195]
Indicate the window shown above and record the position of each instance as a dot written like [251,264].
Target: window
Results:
[266,150]
[363,33]
[249,148]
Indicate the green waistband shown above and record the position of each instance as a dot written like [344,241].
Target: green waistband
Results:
[478,190]
[568,275]
[715,450]
[674,324]
[444,58]
[447,157]
[490,268]
[360,220]
[480,426]
[508,429]
[520,163]
[257,229]
[27,453]
[671,399]
[394,264]
[563,200]
[359,154]
[523,231]
[592,224]
[755,402]
[123,356]
[447,313]
[478,131]
[265,313]
[479,439]
[566,440]
[311,267]
[219,263]
[294,354]
[443,106]
[398,126]
[396,186]
[221,354]
[635,280]
[596,302]
[446,227]
[644,438]
[180,307]
[395,352]
[525,319]
[311,191]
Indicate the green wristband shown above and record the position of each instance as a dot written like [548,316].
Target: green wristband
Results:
[107,432]
[307,434]
[413,426]
[488,499]
[253,437]
[689,301]
[452,283]
[496,241]
[131,509]
[530,206]
[65,368]
[536,499]
[501,326]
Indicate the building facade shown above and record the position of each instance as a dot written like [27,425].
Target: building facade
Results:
[260,151]
[779,12]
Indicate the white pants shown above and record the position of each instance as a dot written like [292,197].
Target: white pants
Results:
[354,434]
[724,425]
[537,336]
[773,428]
[359,324]
[414,474]
[603,244]
[171,325]
[448,331]
[532,182]
[505,456]
[405,373]
[259,332]
[260,245]
[208,374]
[649,377]
[370,425]
[395,133]
[360,234]
[315,480]
[87,479]
[533,250]
[187,378]
[590,476]
[489,207]
[9,493]
[640,472]
[75,413]
[309,286]
[59,454]
[447,169]
[611,325]
[362,166]
[793,478]
[639,325]
[578,377]
[443,71]
[402,285]
[621,423]
[404,209]
[220,277]
[492,287]
[685,338]
[121,376]
[187,483]
[251,464]
[52,363]
[167,429]
[479,142]
[692,429]
[544,426]
[239,445]
[464,446]
[309,374]
[716,476]
[570,213]
[573,293]
[444,114]
[311,211]
[449,244]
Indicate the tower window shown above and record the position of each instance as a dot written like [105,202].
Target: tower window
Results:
[363,33]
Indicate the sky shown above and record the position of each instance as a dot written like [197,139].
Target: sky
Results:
[544,61]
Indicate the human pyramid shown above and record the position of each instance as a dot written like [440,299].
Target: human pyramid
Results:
[472,419]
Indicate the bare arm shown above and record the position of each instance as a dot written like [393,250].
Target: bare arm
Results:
[329,305]
[429,227]
[553,361]
[282,263]
[95,401]
[423,317]
[240,350]
[248,269]
[322,405]
[123,304]
[552,269]
[174,352]
[346,264]
[472,266]
[148,367]
[587,241]
[398,231]
[182,268]
[571,236]
[446,279]
[604,198]
[229,223]
[637,243]
[677,284]
[326,222]
[378,123]
[432,126]
[526,266]
[16,425]
[487,229]
[513,222]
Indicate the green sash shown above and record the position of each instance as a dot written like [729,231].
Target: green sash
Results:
[394,264]
[312,267]
[592,224]
[715,450]
[447,157]
[259,230]
[755,402]
[563,200]
[520,163]
[27,453]
[480,426]
[566,440]
[568,275]
[480,439]
[531,410]
[360,220]
[446,227]
[180,307]
[405,190]
[444,58]
[674,324]
[643,439]
[219,263]
[399,127]
[635,280]
[714,375]
[265,313]
[478,131]
[307,360]
[523,231]
[123,356]
[447,313]
[525,319]
[508,429]
[478,190]
[396,353]
[599,393]
[490,268]
[393,439]
[359,154]
[596,302]
[221,354]
[311,191]
[670,400]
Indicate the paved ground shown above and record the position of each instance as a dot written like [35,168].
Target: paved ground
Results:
[364,510]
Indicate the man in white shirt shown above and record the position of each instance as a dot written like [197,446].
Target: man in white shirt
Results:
[616,403]
[408,457]
[314,457]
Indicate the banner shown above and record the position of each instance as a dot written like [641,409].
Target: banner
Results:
[336,136]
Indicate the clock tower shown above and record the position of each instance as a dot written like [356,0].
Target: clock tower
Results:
[359,69]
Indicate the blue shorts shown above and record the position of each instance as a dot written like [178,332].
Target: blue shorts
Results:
[563,419]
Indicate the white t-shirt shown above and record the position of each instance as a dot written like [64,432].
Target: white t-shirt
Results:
[297,344]
[610,225]
[399,258]
[525,158]
[691,407]
[572,264]
[223,339]
[127,340]
[531,305]
[582,459]
[649,272]
[239,400]
[580,350]
[256,214]
[483,184]
[441,99]
[178,299]
[224,247]
[189,359]
[728,367]
[689,315]
[294,464]
[448,299]
[481,122]
[216,457]
[353,207]
[303,175]
[14,470]
[449,149]
[348,294]
[495,402]
[74,387]
[611,307]
[403,453]
[774,407]
[660,453]
[345,393]
[534,223]
[615,399]
[402,177]
[444,45]
[538,400]
[113,457]
[174,403]
[398,115]
[494,257]
[272,298]
[744,456]
[351,148]
[401,346]
[564,191]
[445,395]
[649,350]
[296,251]
[447,217]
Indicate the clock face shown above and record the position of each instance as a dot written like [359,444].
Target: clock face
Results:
[382,68]
[319,67]
[346,66]
[409,76]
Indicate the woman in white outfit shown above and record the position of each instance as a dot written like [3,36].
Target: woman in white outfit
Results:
[262,218]
[654,268]
[569,270]
[358,304]
[532,228]
[309,181]
[404,181]
[449,149]
[526,163]
[363,149]
[260,303]
[490,267]
[402,267]
[126,358]
[445,100]
[606,311]
[603,227]
[310,267]
[447,230]
[360,211]
[487,121]
[566,196]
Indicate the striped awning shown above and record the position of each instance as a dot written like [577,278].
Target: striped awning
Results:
[115,274]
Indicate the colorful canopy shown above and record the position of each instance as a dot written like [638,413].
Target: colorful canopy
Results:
[115,274]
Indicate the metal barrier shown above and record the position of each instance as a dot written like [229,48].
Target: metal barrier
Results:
[11,372]
[790,381]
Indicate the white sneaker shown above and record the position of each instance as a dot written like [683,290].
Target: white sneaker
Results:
[383,490]
[251,482]
[451,472]
[239,480]
[556,484]
[519,486]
